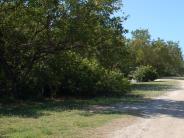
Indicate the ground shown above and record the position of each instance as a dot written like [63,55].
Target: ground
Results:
[161,117]
[99,117]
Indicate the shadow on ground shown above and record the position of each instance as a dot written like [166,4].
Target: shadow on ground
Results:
[146,108]
[149,108]
[30,109]
[153,108]
[150,87]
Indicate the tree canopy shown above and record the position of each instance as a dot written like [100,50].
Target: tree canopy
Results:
[74,47]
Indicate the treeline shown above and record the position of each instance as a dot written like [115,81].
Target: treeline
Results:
[164,56]
[75,48]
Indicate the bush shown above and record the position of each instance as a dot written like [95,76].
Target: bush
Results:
[86,77]
[145,73]
[73,75]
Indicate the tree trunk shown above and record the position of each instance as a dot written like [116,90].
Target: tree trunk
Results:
[9,74]
[15,90]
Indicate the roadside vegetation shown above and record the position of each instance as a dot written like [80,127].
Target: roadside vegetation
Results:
[69,117]
[59,57]
[51,49]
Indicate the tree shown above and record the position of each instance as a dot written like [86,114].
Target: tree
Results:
[164,56]
[35,32]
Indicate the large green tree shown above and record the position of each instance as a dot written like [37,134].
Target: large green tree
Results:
[34,32]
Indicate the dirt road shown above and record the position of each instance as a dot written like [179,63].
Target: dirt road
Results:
[162,117]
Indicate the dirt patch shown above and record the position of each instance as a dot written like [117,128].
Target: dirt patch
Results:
[109,128]
[160,117]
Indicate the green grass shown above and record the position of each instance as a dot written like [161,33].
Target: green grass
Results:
[67,118]
[74,123]
[152,89]
[51,119]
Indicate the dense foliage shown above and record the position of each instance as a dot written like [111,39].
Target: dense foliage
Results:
[145,73]
[74,48]
[165,56]
[37,34]
[73,75]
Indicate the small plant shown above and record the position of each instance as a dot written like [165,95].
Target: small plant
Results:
[145,74]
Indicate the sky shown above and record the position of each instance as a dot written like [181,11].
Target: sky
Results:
[163,18]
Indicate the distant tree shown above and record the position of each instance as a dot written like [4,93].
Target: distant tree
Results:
[141,35]
[168,57]
[165,56]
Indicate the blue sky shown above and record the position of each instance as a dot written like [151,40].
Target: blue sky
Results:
[163,18]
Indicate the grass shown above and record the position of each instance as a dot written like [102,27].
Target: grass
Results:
[50,119]
[152,89]
[72,123]
[67,118]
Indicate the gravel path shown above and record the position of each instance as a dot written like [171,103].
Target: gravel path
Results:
[162,117]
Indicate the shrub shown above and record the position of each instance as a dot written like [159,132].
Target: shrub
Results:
[86,77]
[73,75]
[145,73]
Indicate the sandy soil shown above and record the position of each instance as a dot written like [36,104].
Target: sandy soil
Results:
[162,117]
